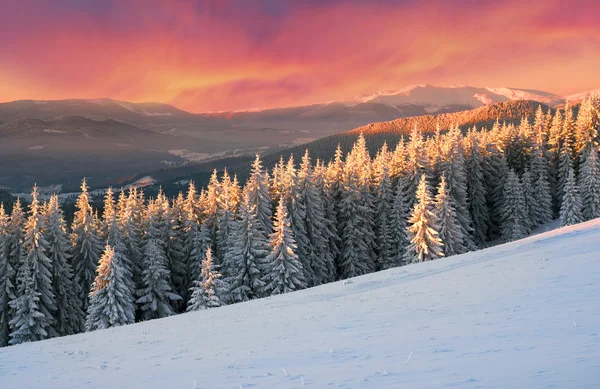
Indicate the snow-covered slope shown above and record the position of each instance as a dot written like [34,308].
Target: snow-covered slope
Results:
[520,315]
[435,98]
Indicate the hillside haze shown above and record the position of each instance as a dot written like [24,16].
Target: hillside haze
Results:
[111,141]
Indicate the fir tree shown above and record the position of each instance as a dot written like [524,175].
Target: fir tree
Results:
[247,255]
[514,210]
[35,272]
[68,315]
[425,243]
[589,183]
[86,245]
[156,295]
[384,198]
[257,188]
[449,230]
[209,289]
[399,223]
[570,209]
[283,269]
[7,279]
[530,200]
[477,191]
[542,192]
[111,300]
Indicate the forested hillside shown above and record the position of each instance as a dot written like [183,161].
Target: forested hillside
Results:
[305,223]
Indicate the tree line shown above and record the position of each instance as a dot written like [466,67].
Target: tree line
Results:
[300,225]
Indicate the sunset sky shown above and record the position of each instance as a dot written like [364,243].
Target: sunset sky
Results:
[243,54]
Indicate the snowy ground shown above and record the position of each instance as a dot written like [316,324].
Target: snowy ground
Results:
[520,315]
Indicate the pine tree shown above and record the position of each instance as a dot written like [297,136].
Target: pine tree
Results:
[399,223]
[449,230]
[317,231]
[198,242]
[283,269]
[127,219]
[530,200]
[384,198]
[7,279]
[589,183]
[86,245]
[35,272]
[111,300]
[514,210]
[209,289]
[247,255]
[570,209]
[325,191]
[542,191]
[176,251]
[257,188]
[68,315]
[425,243]
[28,323]
[477,191]
[156,295]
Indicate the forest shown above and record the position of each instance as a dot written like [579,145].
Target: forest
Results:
[298,225]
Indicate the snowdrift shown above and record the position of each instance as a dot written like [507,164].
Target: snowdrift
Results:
[519,315]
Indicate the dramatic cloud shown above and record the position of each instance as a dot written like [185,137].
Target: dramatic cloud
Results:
[238,54]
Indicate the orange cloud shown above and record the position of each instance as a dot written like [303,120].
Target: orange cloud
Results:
[229,55]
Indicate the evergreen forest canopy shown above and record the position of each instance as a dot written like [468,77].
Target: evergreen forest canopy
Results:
[297,226]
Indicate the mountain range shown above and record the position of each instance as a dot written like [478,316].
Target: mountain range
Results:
[110,141]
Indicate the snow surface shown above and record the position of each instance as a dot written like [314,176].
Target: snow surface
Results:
[519,315]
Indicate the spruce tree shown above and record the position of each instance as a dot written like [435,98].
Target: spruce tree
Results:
[325,192]
[317,230]
[111,300]
[399,223]
[156,294]
[209,290]
[542,191]
[530,200]
[86,245]
[514,210]
[425,243]
[283,269]
[384,199]
[35,269]
[449,230]
[589,184]
[68,314]
[7,279]
[131,234]
[247,256]
[570,209]
[257,188]
[477,191]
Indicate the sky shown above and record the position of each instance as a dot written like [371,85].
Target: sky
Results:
[218,55]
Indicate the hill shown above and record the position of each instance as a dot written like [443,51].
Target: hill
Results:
[513,315]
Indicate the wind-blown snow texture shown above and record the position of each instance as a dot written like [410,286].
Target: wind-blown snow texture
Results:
[520,315]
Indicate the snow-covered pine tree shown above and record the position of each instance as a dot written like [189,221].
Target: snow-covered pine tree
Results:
[453,167]
[109,213]
[296,207]
[565,164]
[589,184]
[198,242]
[130,234]
[317,231]
[384,199]
[449,230]
[586,126]
[530,200]
[476,190]
[399,223]
[34,256]
[68,314]
[416,165]
[283,269]
[156,295]
[176,251]
[246,256]
[7,279]
[211,207]
[542,192]
[257,188]
[514,210]
[28,323]
[495,171]
[570,208]
[324,191]
[355,256]
[425,243]
[111,301]
[86,245]
[225,220]
[208,291]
